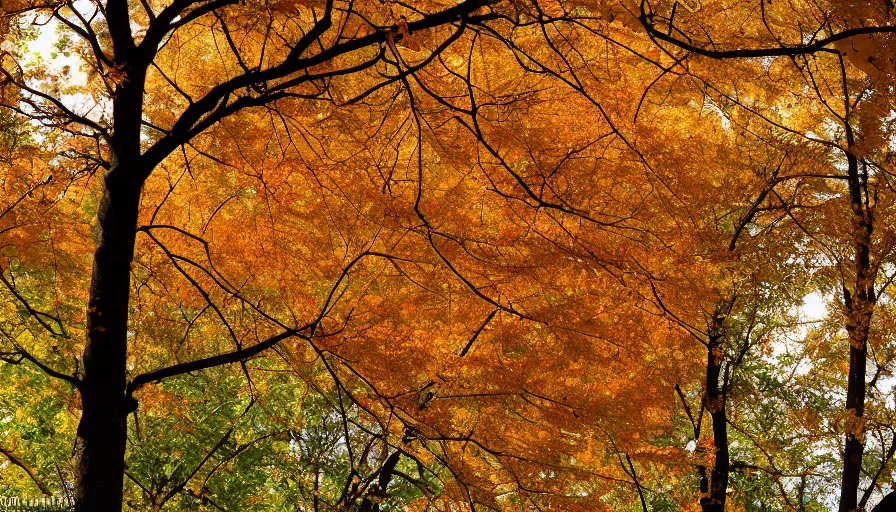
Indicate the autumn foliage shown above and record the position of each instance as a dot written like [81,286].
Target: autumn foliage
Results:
[527,255]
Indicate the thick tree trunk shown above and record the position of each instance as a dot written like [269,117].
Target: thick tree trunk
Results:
[859,306]
[715,404]
[102,432]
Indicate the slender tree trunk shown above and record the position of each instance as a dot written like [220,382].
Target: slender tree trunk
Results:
[102,432]
[854,447]
[714,401]
[859,307]
[801,494]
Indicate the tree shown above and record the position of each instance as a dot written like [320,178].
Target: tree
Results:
[852,99]
[359,199]
[154,161]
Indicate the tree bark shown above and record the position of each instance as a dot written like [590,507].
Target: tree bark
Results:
[102,432]
[859,306]
[714,400]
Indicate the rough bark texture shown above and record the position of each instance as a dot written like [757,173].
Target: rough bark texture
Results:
[859,306]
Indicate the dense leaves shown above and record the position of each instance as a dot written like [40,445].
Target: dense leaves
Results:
[447,255]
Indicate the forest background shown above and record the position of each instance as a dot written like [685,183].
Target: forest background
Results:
[448,255]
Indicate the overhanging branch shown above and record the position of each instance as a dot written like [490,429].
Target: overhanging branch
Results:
[209,362]
[821,45]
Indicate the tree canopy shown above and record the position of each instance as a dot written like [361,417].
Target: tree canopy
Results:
[448,255]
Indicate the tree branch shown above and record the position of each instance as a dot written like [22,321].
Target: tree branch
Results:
[15,460]
[209,362]
[820,45]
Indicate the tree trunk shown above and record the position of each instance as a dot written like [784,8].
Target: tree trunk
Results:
[859,307]
[854,447]
[102,432]
[715,404]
